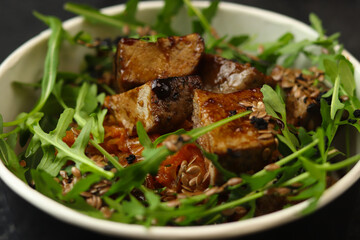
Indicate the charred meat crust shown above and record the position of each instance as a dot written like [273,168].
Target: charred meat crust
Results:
[222,75]
[161,105]
[302,95]
[241,147]
[138,61]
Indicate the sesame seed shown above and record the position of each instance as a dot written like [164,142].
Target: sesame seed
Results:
[352,121]
[357,113]
[232,113]
[259,123]
[130,159]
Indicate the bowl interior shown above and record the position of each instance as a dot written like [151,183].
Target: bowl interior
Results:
[26,65]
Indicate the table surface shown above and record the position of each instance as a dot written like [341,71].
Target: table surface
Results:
[338,220]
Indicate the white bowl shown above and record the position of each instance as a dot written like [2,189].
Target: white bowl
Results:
[26,63]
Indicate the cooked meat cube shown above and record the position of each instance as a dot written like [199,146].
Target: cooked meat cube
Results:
[303,92]
[138,61]
[222,75]
[242,145]
[161,105]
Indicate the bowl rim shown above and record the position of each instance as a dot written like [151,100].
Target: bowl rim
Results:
[106,227]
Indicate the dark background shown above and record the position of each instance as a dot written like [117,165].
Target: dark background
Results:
[338,220]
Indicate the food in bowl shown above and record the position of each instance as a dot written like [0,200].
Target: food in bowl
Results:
[109,156]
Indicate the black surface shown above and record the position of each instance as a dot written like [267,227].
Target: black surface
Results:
[339,220]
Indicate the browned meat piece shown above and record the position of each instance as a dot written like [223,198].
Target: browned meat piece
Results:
[161,105]
[302,101]
[138,61]
[222,75]
[244,145]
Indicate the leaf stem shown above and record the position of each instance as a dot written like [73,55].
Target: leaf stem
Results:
[4,135]
[290,157]
[197,132]
[97,16]
[201,17]
[219,208]
[113,161]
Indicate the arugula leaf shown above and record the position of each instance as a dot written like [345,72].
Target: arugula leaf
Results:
[45,184]
[313,168]
[208,13]
[275,104]
[239,40]
[129,14]
[50,66]
[347,78]
[197,132]
[331,69]
[335,102]
[257,182]
[163,23]
[317,24]
[134,175]
[151,38]
[314,193]
[95,16]
[164,136]
[9,158]
[87,94]
[271,52]
[143,137]
[76,153]
[1,124]
[81,186]
[214,159]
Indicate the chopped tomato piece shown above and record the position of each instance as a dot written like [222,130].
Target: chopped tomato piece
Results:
[177,171]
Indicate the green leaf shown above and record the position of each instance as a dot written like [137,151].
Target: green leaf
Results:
[50,66]
[197,132]
[313,168]
[51,61]
[209,13]
[45,184]
[273,102]
[82,185]
[214,159]
[286,141]
[271,52]
[152,38]
[316,24]
[257,182]
[134,175]
[134,208]
[331,69]
[93,15]
[11,161]
[320,134]
[163,23]
[335,102]
[347,78]
[143,137]
[315,190]
[129,14]
[164,136]
[76,153]
[1,124]
[239,40]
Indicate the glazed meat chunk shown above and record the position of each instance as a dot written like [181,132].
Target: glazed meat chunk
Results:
[222,75]
[138,61]
[243,145]
[303,92]
[161,105]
